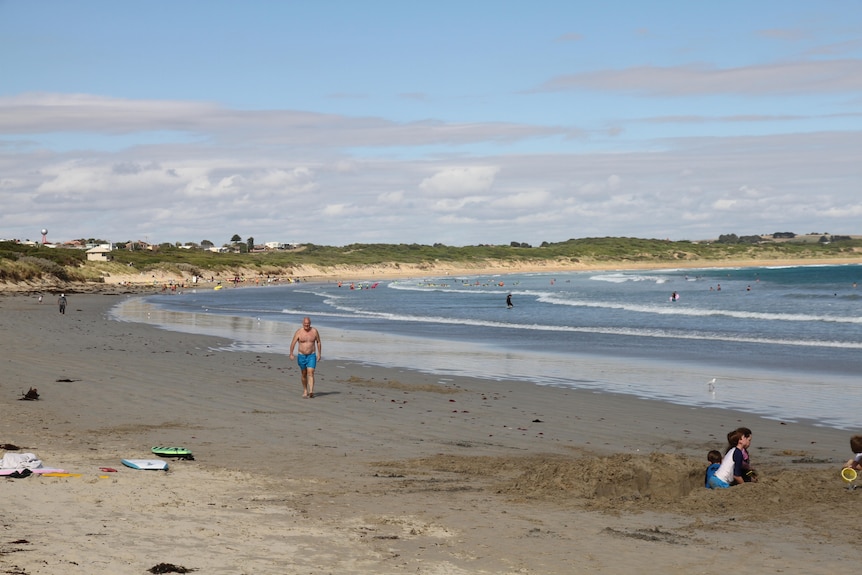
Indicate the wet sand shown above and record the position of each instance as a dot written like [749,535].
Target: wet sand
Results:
[384,471]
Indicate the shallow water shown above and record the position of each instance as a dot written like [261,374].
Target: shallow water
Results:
[780,342]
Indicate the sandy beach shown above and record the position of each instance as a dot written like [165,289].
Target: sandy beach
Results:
[385,471]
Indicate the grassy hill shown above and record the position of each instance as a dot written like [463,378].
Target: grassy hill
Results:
[58,266]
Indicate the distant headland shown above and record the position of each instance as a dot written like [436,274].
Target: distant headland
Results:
[33,267]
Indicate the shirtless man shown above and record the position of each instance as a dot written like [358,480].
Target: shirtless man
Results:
[309,342]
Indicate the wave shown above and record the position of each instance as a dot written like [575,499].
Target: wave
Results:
[699,312]
[349,311]
[553,298]
[618,278]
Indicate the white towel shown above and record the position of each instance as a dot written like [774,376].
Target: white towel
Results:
[20,461]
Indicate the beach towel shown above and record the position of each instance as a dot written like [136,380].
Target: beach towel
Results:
[20,461]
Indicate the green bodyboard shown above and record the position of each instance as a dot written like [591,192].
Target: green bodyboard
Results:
[181,452]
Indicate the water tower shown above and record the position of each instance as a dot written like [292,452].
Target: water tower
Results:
[44,235]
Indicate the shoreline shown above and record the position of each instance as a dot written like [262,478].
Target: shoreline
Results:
[132,283]
[386,471]
[664,380]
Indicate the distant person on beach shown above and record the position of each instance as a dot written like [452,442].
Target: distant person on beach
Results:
[731,471]
[711,481]
[61,301]
[856,446]
[509,301]
[310,350]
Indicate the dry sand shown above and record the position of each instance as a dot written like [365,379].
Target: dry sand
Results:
[385,471]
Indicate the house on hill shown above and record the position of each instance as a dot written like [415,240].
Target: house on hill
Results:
[99,254]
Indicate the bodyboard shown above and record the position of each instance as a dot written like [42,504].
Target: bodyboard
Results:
[156,464]
[180,452]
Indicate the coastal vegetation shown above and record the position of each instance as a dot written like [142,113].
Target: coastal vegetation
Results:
[20,263]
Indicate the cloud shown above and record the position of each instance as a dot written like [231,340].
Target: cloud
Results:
[461,180]
[337,210]
[249,178]
[455,204]
[394,197]
[40,113]
[785,78]
[522,200]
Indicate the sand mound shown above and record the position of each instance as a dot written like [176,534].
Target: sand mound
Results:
[657,482]
[658,477]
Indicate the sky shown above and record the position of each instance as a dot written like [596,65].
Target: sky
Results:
[456,122]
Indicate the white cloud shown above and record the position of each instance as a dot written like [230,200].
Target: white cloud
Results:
[461,180]
[522,200]
[394,197]
[455,204]
[249,178]
[725,204]
[338,210]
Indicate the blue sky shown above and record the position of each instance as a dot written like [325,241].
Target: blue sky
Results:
[338,122]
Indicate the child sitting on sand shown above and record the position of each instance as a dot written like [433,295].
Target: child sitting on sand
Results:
[856,446]
[711,481]
[731,471]
[748,474]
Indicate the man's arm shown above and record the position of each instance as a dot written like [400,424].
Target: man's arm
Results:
[293,342]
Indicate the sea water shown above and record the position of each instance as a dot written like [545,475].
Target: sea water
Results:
[783,342]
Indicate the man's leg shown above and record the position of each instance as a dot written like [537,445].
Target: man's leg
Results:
[310,380]
[304,383]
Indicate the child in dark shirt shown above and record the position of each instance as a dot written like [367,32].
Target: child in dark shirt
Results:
[748,473]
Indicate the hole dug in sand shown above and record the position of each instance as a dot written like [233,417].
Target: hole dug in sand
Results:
[589,481]
[623,477]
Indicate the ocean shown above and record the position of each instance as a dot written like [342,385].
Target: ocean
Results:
[781,342]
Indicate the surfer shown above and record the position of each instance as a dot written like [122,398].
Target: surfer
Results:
[509,301]
[310,350]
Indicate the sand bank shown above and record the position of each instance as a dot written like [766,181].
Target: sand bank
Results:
[154,280]
[401,271]
[384,472]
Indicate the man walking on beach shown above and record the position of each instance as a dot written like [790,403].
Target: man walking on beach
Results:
[309,343]
[61,301]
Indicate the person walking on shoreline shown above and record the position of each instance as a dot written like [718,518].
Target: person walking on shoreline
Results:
[309,352]
[61,301]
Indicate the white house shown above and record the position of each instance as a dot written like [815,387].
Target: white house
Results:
[280,246]
[99,254]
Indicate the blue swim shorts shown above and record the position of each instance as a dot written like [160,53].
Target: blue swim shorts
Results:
[716,483]
[306,361]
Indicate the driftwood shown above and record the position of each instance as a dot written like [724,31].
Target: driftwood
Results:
[31,395]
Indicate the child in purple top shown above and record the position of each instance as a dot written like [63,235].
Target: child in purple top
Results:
[856,446]
[748,474]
